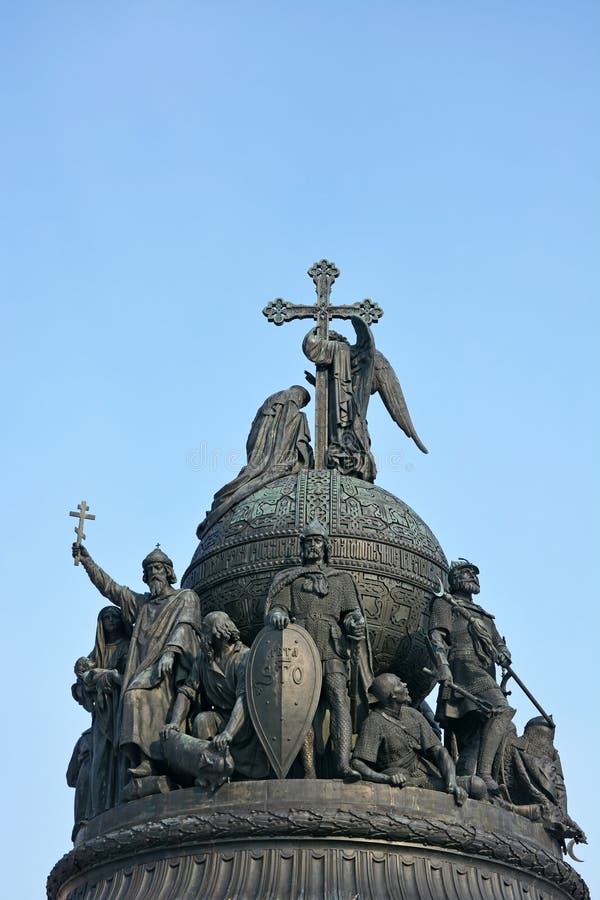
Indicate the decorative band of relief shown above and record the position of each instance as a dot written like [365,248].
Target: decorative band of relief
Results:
[375,556]
[186,830]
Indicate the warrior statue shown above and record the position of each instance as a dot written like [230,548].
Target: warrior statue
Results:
[325,602]
[467,645]
[278,444]
[354,372]
[397,746]
[165,625]
[216,686]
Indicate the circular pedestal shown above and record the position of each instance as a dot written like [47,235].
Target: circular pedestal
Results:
[284,840]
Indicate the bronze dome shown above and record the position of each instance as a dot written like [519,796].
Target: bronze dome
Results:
[391,553]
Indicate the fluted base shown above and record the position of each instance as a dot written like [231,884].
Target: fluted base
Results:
[312,839]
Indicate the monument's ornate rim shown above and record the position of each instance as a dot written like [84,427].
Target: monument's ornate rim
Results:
[184,821]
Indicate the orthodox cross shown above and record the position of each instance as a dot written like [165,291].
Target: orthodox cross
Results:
[323,274]
[82,515]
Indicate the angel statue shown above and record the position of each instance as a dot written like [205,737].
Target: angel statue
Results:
[355,371]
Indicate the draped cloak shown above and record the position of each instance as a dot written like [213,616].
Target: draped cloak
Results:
[107,768]
[172,624]
[278,445]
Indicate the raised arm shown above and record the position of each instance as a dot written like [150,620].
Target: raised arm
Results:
[318,349]
[122,596]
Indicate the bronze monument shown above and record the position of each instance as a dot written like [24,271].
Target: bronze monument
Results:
[262,731]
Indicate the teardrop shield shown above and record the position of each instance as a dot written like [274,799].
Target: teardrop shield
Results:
[283,686]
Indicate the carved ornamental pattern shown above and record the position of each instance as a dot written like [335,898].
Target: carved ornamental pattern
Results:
[391,553]
[439,858]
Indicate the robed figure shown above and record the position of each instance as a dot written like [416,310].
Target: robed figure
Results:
[278,445]
[214,699]
[98,689]
[165,639]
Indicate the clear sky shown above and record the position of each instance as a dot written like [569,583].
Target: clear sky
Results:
[168,168]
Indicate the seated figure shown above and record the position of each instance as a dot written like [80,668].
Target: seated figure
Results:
[529,771]
[223,739]
[397,746]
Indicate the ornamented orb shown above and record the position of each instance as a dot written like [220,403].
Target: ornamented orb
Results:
[389,551]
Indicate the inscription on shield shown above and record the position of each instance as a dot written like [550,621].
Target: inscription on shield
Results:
[283,686]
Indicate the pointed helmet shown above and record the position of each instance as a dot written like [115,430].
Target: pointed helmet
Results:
[314,529]
[157,555]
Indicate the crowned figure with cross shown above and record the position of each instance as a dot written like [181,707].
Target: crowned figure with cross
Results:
[165,626]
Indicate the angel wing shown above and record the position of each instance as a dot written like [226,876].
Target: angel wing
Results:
[363,360]
[386,384]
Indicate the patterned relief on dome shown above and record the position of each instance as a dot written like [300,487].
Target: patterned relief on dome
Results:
[369,511]
[398,607]
[345,505]
[374,594]
[271,509]
[358,554]
[361,509]
[404,522]
[243,598]
[235,560]
[407,606]
[314,500]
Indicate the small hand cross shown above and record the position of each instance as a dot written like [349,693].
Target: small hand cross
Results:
[82,515]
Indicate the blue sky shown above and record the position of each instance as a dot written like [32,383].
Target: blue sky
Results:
[168,168]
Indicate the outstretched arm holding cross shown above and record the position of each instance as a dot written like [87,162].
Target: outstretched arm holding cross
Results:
[122,596]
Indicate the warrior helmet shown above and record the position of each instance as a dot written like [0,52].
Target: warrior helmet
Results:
[456,566]
[462,563]
[314,529]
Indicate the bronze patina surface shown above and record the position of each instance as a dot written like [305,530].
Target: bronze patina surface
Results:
[283,685]
[319,840]
[391,553]
[310,626]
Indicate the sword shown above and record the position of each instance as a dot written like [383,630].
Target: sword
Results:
[450,599]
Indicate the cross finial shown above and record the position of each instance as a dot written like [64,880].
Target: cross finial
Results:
[82,514]
[323,274]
